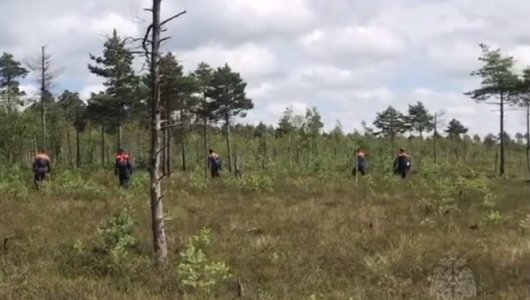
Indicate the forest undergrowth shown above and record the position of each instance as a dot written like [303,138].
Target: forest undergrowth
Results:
[271,235]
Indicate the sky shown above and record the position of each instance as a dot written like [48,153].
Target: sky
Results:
[349,58]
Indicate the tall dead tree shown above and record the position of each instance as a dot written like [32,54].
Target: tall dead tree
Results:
[45,75]
[156,128]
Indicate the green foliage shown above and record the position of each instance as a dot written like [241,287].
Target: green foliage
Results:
[227,89]
[111,252]
[455,129]
[115,66]
[198,181]
[14,183]
[493,217]
[258,183]
[391,123]
[10,72]
[117,236]
[75,185]
[195,269]
[419,119]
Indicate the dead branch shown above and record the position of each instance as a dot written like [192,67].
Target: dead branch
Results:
[171,18]
[146,38]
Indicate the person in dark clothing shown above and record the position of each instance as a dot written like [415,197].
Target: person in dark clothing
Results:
[214,162]
[41,167]
[123,168]
[402,163]
[362,163]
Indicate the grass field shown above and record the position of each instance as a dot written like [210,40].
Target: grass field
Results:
[282,236]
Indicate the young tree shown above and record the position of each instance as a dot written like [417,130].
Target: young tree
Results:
[115,66]
[437,123]
[10,72]
[391,124]
[498,81]
[419,119]
[227,89]
[285,125]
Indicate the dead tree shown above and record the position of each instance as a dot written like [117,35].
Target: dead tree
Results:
[156,128]
[45,75]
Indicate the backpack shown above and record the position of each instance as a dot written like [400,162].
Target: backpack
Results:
[219,163]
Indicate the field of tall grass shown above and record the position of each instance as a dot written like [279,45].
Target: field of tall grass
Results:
[270,235]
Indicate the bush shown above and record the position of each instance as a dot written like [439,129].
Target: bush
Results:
[111,252]
[195,269]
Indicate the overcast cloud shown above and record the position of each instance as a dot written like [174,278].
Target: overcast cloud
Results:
[350,58]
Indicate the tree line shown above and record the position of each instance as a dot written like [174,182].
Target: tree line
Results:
[194,103]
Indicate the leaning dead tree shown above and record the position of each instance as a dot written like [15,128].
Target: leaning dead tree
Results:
[153,39]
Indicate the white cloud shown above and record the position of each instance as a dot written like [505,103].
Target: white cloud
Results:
[354,44]
[87,91]
[252,61]
[350,58]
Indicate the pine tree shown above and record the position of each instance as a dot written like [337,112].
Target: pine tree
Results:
[204,110]
[419,119]
[115,66]
[455,129]
[498,81]
[391,124]
[227,90]
[10,72]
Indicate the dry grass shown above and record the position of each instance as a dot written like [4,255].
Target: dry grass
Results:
[309,236]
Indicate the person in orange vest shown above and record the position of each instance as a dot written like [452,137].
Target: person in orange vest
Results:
[41,167]
[123,168]
[402,163]
[362,163]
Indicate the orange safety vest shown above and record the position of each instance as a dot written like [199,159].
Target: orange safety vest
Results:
[42,156]
[123,158]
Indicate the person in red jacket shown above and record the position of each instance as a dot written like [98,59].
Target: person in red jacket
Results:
[41,167]
[123,168]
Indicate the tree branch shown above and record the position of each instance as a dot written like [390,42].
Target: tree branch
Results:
[171,18]
[146,38]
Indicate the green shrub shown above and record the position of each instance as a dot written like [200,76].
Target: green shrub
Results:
[195,269]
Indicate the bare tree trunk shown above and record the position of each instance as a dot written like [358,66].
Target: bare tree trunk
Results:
[164,152]
[168,151]
[183,152]
[528,136]
[228,143]
[435,139]
[43,98]
[119,135]
[92,146]
[69,142]
[78,149]
[103,145]
[157,211]
[183,142]
[205,143]
[502,157]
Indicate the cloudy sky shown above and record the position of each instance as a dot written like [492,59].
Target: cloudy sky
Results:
[349,58]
